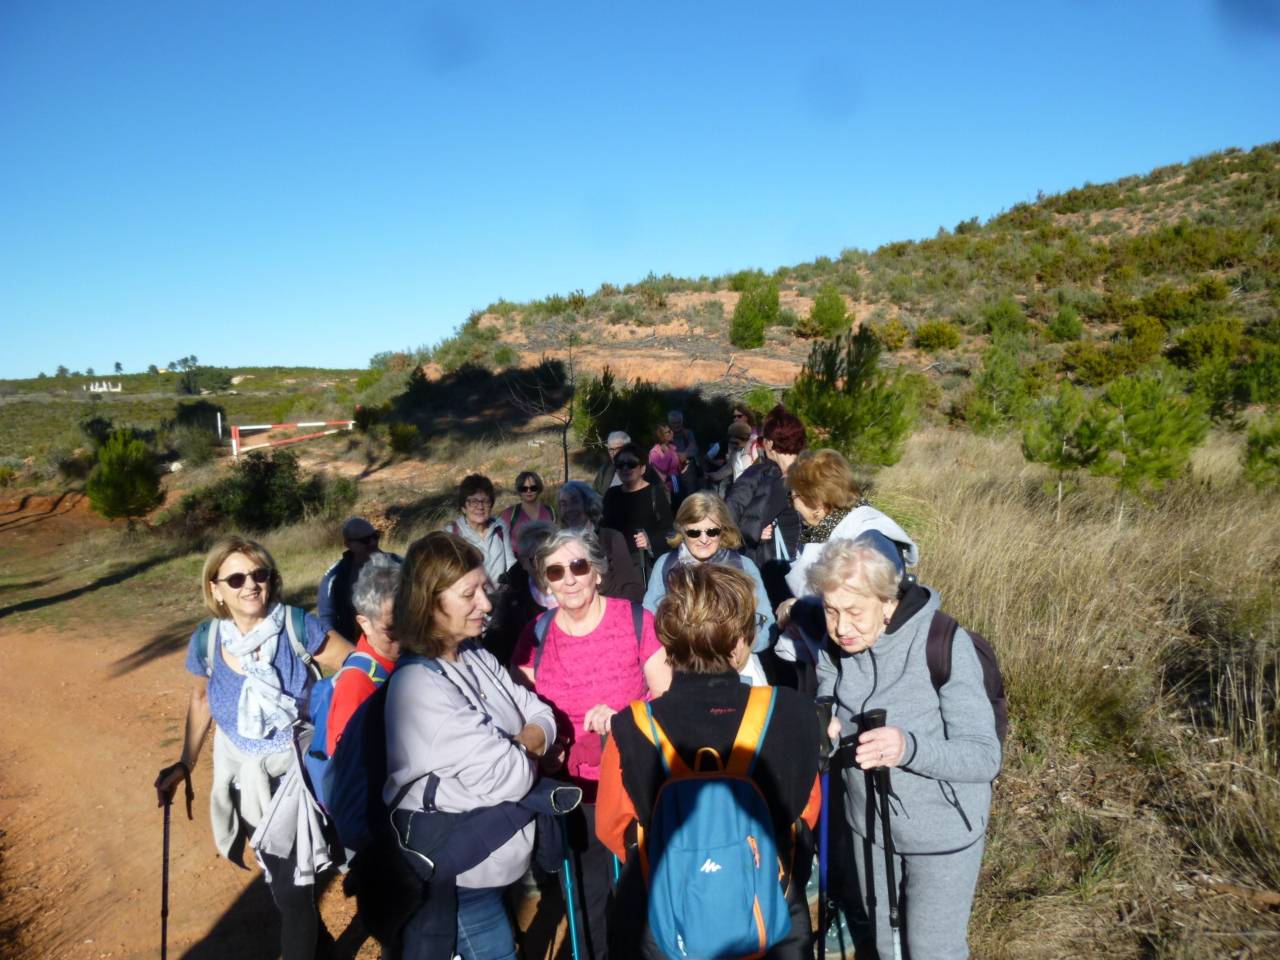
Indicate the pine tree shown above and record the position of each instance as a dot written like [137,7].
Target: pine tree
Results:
[843,393]
[1066,433]
[1262,453]
[125,482]
[1156,427]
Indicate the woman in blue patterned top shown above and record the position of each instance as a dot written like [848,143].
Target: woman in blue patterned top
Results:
[253,668]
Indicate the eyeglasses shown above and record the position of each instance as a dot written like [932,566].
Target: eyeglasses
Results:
[369,541]
[236,580]
[529,488]
[626,464]
[693,533]
[477,502]
[579,568]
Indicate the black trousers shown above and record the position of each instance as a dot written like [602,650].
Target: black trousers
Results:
[592,878]
[299,919]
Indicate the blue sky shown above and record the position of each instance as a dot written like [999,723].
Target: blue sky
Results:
[310,183]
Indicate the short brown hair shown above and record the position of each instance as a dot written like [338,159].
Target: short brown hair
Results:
[431,566]
[707,610]
[472,484]
[824,479]
[784,430]
[707,506]
[217,556]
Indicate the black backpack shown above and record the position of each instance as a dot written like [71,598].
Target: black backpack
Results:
[942,636]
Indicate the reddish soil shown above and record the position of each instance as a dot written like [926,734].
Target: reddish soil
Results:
[92,710]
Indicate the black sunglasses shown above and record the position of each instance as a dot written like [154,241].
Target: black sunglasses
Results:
[693,533]
[529,488]
[579,568]
[236,580]
[626,464]
[368,541]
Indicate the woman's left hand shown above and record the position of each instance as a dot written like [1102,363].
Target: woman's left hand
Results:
[881,747]
[597,719]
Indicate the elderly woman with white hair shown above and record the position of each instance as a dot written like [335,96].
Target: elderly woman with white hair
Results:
[940,745]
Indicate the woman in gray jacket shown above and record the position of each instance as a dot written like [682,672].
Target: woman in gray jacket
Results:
[940,747]
[460,734]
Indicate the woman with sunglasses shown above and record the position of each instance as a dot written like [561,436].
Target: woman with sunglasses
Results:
[705,533]
[580,509]
[639,510]
[588,660]
[254,668]
[527,509]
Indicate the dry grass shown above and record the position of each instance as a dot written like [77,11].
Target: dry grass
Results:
[1139,804]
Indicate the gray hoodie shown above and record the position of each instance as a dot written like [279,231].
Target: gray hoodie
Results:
[941,792]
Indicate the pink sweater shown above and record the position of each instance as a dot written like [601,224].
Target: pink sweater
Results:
[576,673]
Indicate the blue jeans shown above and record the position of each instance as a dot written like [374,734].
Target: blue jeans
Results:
[484,929]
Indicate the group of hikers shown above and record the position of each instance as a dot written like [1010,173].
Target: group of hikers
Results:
[637,689]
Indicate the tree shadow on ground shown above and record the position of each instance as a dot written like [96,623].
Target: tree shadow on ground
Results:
[106,580]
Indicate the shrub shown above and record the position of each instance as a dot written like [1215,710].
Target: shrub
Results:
[744,280]
[194,445]
[403,437]
[1004,316]
[891,333]
[124,482]
[1091,364]
[1262,453]
[364,417]
[760,400]
[1066,325]
[263,492]
[937,335]
[757,309]
[829,315]
[788,318]
[1217,339]
[1066,433]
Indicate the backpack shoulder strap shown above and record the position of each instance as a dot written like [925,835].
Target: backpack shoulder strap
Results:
[206,640]
[540,628]
[295,625]
[647,723]
[755,721]
[942,636]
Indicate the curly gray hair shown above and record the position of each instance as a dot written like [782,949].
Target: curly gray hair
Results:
[376,584]
[589,542]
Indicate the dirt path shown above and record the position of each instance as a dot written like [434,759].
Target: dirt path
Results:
[91,708]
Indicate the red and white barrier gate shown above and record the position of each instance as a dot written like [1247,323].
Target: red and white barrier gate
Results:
[238,448]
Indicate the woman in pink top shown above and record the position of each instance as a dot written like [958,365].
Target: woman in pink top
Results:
[590,662]
[664,458]
[528,509]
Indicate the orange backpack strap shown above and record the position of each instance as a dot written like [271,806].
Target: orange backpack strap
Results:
[755,721]
[647,723]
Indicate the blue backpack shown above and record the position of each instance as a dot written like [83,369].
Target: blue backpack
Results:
[357,771]
[319,768]
[709,855]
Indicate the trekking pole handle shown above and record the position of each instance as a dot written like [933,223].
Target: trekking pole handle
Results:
[874,719]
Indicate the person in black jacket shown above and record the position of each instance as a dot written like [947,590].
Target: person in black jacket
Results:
[639,510]
[759,504]
[706,622]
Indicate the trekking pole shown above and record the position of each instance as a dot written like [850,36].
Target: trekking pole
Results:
[824,705]
[568,895]
[873,719]
[164,865]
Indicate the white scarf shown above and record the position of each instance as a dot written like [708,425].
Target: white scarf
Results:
[264,707]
